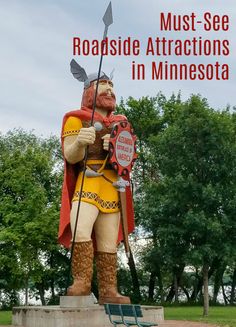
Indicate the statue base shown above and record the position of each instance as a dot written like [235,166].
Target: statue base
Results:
[78,301]
[56,316]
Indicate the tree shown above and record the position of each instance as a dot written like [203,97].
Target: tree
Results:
[30,184]
[196,155]
[187,198]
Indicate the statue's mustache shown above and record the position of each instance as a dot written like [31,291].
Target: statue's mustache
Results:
[108,94]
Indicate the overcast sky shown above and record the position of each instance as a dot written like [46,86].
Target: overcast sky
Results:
[36,85]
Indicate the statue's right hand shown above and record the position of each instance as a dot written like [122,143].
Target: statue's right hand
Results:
[86,136]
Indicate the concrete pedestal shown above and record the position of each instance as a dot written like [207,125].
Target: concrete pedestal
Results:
[78,301]
[56,316]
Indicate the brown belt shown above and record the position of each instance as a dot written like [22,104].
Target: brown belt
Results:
[96,167]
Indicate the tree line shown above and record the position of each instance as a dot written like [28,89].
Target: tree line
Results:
[184,184]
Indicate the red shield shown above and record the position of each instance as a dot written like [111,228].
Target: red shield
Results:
[122,148]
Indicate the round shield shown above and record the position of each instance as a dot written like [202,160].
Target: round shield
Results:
[122,148]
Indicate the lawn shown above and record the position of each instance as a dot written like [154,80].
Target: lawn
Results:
[5,317]
[223,316]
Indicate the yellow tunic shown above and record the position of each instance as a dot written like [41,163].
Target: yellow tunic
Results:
[96,190]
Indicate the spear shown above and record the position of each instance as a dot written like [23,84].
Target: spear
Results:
[107,20]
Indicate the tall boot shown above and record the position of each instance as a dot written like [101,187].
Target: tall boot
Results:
[107,280]
[82,269]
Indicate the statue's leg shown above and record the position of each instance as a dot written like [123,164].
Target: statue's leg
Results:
[82,258]
[106,230]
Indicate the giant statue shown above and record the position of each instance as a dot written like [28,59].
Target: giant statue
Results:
[98,229]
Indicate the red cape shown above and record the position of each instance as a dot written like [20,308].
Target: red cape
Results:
[70,178]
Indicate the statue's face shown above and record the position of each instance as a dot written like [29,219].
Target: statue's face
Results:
[104,86]
[105,98]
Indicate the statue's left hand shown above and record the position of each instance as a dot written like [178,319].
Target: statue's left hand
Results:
[106,139]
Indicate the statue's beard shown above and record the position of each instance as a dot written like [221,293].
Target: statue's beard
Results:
[104,100]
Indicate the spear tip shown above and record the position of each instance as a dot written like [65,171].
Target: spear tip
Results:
[107,18]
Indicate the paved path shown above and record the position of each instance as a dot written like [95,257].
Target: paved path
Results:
[175,323]
[179,323]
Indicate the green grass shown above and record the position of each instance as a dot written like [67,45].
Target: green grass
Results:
[5,317]
[223,316]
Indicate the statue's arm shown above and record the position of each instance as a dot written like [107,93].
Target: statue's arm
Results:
[75,145]
[73,152]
